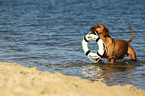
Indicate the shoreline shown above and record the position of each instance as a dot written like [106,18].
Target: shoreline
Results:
[17,80]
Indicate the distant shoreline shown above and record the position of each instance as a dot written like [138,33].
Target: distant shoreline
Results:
[16,80]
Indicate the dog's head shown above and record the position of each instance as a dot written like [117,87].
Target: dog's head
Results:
[100,29]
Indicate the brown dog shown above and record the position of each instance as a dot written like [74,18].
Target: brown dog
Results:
[115,48]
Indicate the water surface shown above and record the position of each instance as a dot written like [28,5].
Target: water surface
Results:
[47,34]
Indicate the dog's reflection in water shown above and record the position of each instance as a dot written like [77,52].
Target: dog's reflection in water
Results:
[108,72]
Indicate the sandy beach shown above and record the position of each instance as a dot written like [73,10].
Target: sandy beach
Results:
[16,80]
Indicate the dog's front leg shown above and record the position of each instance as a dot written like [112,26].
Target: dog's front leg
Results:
[112,60]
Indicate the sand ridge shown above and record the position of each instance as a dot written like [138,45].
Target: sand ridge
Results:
[16,80]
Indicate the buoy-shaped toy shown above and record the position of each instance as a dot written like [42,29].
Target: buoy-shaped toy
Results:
[100,43]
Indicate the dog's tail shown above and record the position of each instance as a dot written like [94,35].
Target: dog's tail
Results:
[131,36]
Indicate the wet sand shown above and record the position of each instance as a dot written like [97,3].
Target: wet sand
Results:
[16,80]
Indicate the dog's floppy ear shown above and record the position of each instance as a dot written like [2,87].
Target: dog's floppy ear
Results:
[105,31]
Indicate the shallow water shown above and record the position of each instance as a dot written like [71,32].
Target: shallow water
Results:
[48,34]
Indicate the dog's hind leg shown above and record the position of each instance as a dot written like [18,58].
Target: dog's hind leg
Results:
[131,53]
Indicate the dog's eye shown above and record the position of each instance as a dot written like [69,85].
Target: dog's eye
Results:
[98,27]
